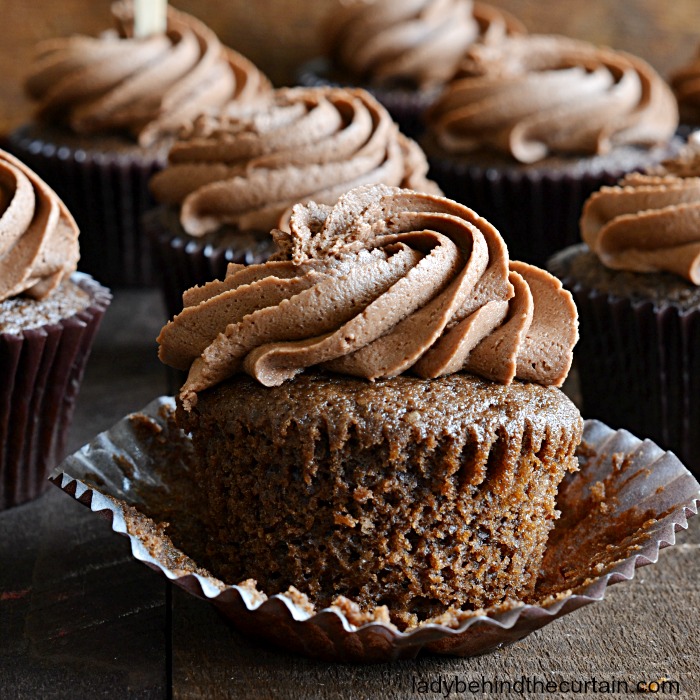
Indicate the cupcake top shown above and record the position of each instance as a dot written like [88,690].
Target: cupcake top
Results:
[386,281]
[38,236]
[535,96]
[685,83]
[147,86]
[650,222]
[415,42]
[248,169]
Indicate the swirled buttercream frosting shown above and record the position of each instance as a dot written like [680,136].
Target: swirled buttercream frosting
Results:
[248,170]
[38,236]
[650,222]
[417,42]
[147,86]
[685,83]
[384,282]
[535,96]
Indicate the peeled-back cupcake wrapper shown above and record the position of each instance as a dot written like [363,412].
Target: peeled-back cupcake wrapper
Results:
[143,466]
[405,105]
[182,261]
[536,211]
[40,374]
[639,367]
[107,193]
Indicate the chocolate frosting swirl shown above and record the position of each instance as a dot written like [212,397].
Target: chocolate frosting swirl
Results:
[386,281]
[419,42]
[149,86]
[535,96]
[685,83]
[309,143]
[650,222]
[38,236]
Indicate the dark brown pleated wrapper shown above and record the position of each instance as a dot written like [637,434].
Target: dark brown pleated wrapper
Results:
[182,261]
[107,193]
[40,374]
[406,105]
[639,366]
[536,211]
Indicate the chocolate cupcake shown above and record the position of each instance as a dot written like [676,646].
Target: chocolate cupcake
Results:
[531,127]
[685,83]
[637,286]
[403,52]
[108,109]
[234,176]
[430,487]
[48,318]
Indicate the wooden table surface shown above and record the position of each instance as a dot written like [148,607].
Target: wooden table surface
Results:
[79,618]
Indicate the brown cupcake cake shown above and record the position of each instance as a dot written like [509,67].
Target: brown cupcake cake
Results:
[108,109]
[403,51]
[532,126]
[636,282]
[430,487]
[48,318]
[685,83]
[233,176]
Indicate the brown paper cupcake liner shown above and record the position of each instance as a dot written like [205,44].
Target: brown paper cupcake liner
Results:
[618,511]
[536,211]
[639,368]
[107,193]
[181,261]
[40,374]
[405,105]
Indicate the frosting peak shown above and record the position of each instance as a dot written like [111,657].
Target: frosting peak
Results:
[413,41]
[386,281]
[38,236]
[650,222]
[148,86]
[534,96]
[248,169]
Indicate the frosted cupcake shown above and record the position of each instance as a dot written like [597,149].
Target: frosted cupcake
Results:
[685,83]
[636,282]
[429,487]
[48,318]
[108,109]
[403,52]
[234,176]
[532,126]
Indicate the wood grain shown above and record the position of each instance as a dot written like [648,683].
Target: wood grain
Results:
[279,34]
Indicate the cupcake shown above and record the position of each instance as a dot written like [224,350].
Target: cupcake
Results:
[108,109]
[532,126]
[403,52]
[234,176]
[375,412]
[685,83]
[636,282]
[48,318]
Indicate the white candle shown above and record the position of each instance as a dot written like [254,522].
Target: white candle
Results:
[150,17]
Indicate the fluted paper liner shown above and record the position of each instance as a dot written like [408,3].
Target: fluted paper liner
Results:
[639,367]
[618,511]
[107,193]
[40,374]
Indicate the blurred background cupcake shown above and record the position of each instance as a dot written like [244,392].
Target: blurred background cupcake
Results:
[48,318]
[107,110]
[234,176]
[403,51]
[531,126]
[636,282]
[685,82]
